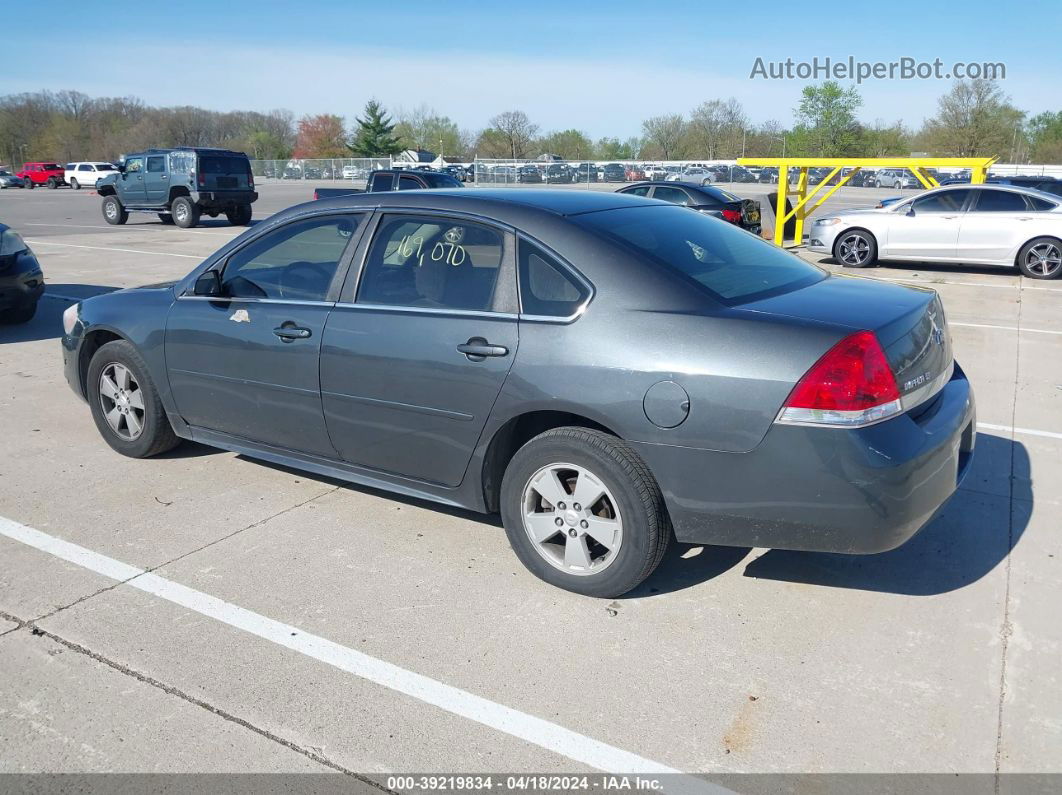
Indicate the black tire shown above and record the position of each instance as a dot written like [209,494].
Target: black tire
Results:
[157,434]
[113,211]
[1043,263]
[166,218]
[862,256]
[185,212]
[877,183]
[241,216]
[645,521]
[53,183]
[24,314]
[75,184]
[29,183]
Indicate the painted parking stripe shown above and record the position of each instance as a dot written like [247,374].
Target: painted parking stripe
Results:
[126,250]
[539,732]
[1026,431]
[1005,328]
[1017,285]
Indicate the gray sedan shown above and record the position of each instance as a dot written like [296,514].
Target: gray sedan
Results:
[608,372]
[9,180]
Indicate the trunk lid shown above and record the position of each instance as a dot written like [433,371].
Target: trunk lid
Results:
[908,322]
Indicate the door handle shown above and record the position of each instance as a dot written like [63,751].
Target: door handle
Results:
[477,349]
[164,176]
[291,332]
[1025,218]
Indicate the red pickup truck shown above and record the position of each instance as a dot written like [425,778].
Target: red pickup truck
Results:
[44,173]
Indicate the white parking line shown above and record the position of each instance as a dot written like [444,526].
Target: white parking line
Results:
[1017,285]
[543,733]
[1026,431]
[1004,328]
[126,250]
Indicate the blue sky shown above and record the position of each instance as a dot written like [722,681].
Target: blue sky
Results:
[599,66]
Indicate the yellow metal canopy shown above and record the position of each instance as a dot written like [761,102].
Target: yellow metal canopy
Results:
[807,202]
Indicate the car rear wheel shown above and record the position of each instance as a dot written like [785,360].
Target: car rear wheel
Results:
[125,403]
[583,512]
[241,216]
[185,212]
[855,248]
[53,183]
[74,184]
[113,211]
[1041,258]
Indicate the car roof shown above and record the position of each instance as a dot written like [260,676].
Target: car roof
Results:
[505,205]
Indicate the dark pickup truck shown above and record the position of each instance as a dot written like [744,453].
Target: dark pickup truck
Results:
[394,179]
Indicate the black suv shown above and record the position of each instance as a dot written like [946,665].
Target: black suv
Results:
[180,185]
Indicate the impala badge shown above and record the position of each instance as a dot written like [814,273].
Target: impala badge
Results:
[240,316]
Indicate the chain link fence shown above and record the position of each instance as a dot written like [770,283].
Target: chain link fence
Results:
[339,169]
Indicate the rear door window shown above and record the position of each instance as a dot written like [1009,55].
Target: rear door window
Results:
[1000,201]
[408,183]
[156,164]
[381,182]
[673,195]
[432,262]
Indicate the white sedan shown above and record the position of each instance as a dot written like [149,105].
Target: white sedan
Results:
[974,224]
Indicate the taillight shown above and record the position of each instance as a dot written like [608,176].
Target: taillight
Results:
[851,386]
[733,216]
[315,196]
[201,178]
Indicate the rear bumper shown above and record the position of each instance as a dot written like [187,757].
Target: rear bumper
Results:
[224,198]
[855,491]
[22,291]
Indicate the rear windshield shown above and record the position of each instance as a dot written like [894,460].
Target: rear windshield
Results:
[732,265]
[224,165]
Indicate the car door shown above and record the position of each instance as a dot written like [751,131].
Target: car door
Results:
[156,180]
[926,228]
[415,353]
[86,175]
[996,223]
[131,183]
[246,363]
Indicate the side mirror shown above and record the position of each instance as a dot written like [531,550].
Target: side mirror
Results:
[208,284]
[910,211]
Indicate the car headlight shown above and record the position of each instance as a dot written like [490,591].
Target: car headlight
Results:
[70,318]
[827,221]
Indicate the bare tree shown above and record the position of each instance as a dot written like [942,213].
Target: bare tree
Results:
[717,127]
[517,130]
[666,132]
[974,118]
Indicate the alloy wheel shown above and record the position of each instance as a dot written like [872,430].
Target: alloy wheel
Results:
[111,209]
[853,249]
[122,401]
[1044,259]
[572,519]
[180,212]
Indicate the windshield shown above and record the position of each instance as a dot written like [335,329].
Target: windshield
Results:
[732,265]
[224,165]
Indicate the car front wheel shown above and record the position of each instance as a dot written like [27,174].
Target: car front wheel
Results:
[30,183]
[583,512]
[125,403]
[855,248]
[113,211]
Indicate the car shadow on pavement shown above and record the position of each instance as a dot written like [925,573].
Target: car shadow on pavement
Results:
[47,323]
[685,566]
[941,269]
[972,535]
[215,223]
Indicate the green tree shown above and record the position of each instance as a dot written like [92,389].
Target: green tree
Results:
[827,125]
[375,133]
[424,128]
[517,130]
[569,144]
[1045,137]
[974,118]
